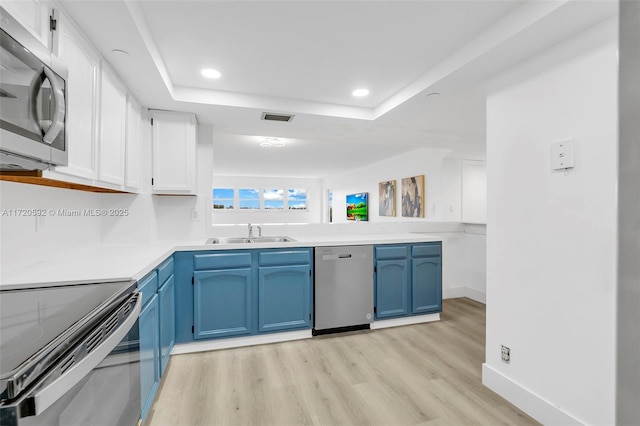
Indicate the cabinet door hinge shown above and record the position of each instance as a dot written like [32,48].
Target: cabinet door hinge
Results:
[192,330]
[375,309]
[309,272]
[151,181]
[193,280]
[375,269]
[152,121]
[53,23]
[309,316]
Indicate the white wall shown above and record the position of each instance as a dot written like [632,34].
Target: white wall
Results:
[24,238]
[314,200]
[551,236]
[452,189]
[424,161]
[474,191]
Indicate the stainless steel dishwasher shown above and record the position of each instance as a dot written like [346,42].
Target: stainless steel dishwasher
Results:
[343,288]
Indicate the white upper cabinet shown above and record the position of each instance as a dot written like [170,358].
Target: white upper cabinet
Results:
[133,147]
[83,66]
[112,119]
[174,153]
[32,15]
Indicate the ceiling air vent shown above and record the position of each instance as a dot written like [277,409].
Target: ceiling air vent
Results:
[269,116]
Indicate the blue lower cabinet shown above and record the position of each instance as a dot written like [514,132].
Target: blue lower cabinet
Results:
[229,293]
[391,288]
[284,297]
[222,303]
[166,300]
[156,326]
[408,279]
[426,285]
[149,353]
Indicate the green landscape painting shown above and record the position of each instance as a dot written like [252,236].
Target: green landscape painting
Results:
[357,207]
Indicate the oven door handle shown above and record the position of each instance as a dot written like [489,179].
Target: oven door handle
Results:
[48,395]
[57,122]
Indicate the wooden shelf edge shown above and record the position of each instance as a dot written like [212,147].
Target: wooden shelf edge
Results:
[35,178]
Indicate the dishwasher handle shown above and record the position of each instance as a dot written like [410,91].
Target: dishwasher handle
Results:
[47,396]
[344,256]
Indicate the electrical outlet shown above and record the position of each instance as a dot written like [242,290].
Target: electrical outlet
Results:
[506,353]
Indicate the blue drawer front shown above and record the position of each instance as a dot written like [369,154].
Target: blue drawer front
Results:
[165,270]
[222,260]
[427,250]
[148,286]
[285,257]
[391,252]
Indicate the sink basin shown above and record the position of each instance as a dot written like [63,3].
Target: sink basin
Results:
[272,239]
[246,240]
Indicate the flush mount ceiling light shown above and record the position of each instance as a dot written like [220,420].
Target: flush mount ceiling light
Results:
[272,142]
[211,73]
[120,52]
[359,93]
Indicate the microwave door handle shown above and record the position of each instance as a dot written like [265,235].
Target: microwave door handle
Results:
[34,90]
[57,122]
[48,395]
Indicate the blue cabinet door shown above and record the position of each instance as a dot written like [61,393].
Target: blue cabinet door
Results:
[149,354]
[392,288]
[284,297]
[166,300]
[222,303]
[426,285]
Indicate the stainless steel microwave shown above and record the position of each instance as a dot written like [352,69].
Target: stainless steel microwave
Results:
[32,101]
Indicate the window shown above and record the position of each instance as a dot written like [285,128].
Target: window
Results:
[249,199]
[273,199]
[297,199]
[223,198]
[260,199]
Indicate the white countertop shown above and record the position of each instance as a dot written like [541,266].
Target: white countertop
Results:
[125,262]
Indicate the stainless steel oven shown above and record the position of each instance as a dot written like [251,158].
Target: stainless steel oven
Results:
[69,355]
[32,101]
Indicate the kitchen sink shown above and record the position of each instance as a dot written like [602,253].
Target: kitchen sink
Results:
[247,240]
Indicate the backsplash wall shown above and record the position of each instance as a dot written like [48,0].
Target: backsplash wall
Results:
[59,228]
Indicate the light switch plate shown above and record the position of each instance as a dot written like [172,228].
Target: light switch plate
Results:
[562,155]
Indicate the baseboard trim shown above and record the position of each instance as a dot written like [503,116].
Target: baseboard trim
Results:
[236,342]
[471,293]
[396,322]
[534,405]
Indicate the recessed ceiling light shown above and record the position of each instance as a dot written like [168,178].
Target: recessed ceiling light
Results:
[359,93]
[211,73]
[272,142]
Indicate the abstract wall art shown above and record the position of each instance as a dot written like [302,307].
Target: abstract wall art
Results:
[413,196]
[387,198]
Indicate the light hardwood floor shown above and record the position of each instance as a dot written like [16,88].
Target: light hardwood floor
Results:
[427,374]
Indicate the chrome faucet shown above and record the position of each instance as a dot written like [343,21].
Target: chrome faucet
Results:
[259,231]
[250,231]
